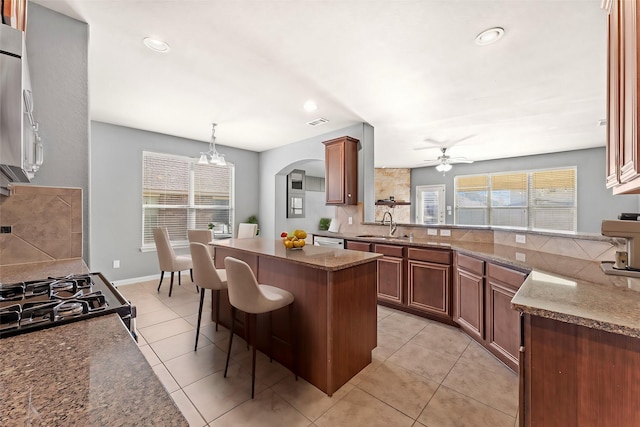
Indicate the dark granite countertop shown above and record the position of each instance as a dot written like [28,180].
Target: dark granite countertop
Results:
[87,373]
[559,287]
[43,269]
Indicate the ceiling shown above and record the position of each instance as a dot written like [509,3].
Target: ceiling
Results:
[410,68]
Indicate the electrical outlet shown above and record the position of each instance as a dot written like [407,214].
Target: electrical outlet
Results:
[116,263]
[445,233]
[432,232]
[521,257]
[521,238]
[350,220]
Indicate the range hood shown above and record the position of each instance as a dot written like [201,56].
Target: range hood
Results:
[20,146]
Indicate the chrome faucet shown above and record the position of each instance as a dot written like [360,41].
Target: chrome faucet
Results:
[392,226]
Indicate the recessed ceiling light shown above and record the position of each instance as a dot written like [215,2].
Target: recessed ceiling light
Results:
[310,106]
[156,45]
[489,36]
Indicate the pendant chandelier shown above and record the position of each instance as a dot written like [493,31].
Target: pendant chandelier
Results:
[212,156]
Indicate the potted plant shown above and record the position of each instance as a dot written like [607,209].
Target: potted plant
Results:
[324,224]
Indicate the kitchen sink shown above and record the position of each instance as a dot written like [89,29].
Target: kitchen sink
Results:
[381,236]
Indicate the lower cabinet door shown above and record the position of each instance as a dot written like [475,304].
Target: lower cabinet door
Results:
[503,337]
[503,323]
[390,279]
[470,303]
[429,289]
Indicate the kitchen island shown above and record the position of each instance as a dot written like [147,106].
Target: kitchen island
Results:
[334,325]
[86,373]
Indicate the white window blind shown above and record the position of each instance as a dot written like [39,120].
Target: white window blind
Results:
[180,194]
[541,200]
[471,199]
[509,199]
[553,200]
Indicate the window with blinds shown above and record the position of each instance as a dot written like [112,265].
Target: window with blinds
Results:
[180,194]
[472,199]
[553,200]
[541,200]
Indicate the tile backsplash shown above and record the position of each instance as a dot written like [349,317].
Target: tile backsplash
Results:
[597,248]
[46,224]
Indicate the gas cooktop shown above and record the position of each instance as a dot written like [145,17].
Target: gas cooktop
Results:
[38,304]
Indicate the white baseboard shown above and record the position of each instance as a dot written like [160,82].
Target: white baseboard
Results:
[133,280]
[136,280]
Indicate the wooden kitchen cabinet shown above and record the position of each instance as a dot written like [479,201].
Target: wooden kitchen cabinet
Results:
[390,273]
[468,289]
[575,376]
[482,293]
[503,323]
[358,246]
[341,171]
[429,281]
[623,162]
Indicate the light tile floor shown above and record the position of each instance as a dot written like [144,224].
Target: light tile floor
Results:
[423,373]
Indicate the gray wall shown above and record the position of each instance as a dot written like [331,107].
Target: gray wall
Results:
[595,202]
[274,163]
[57,50]
[116,194]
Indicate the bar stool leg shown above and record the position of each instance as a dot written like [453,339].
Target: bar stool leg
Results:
[270,339]
[161,277]
[292,340]
[233,322]
[246,329]
[217,292]
[252,321]
[199,318]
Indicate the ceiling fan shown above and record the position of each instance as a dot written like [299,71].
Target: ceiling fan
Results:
[443,162]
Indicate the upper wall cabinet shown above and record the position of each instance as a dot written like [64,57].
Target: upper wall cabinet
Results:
[14,13]
[623,147]
[341,171]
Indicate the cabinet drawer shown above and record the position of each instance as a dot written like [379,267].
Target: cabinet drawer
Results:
[430,255]
[390,250]
[471,264]
[506,275]
[358,246]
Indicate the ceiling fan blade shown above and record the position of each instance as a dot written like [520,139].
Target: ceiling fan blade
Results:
[454,160]
[428,163]
[451,143]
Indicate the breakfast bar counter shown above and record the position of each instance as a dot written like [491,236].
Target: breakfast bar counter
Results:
[334,327]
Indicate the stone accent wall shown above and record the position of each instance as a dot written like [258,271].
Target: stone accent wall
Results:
[396,183]
[46,224]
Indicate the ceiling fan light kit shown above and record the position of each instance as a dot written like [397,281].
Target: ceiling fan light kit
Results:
[444,162]
[444,167]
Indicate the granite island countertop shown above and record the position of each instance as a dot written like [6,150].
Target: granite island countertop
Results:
[321,257]
[558,287]
[87,373]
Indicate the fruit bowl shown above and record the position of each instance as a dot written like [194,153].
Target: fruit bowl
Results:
[295,240]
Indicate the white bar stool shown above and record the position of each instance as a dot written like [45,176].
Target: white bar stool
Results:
[207,277]
[167,259]
[247,295]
